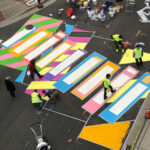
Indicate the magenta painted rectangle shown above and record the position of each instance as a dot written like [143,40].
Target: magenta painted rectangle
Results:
[79,39]
[92,106]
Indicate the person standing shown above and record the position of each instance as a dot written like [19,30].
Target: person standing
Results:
[107,85]
[10,86]
[33,69]
[138,54]
[36,99]
[117,38]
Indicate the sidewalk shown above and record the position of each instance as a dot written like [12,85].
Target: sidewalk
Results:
[13,10]
[138,138]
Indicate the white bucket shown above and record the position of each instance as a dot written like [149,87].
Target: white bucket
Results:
[111,14]
[117,9]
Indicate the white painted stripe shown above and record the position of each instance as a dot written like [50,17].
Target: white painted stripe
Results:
[120,81]
[29,42]
[17,37]
[128,99]
[68,61]
[92,82]
[131,70]
[117,83]
[81,70]
[54,54]
[61,34]
[41,48]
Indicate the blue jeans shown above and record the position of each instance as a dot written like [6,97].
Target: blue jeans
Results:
[39,104]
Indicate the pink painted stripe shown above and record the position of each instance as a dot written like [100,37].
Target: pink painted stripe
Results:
[79,39]
[49,25]
[79,30]
[92,106]
[17,64]
[2,48]
[37,20]
[2,57]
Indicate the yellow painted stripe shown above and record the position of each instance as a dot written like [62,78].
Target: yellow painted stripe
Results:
[45,70]
[61,58]
[41,85]
[128,57]
[79,45]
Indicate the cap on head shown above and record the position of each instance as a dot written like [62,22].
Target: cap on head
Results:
[107,75]
[7,78]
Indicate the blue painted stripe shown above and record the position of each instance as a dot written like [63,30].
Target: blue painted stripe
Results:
[21,76]
[63,86]
[68,29]
[111,117]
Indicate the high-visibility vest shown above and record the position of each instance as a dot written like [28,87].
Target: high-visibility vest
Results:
[117,38]
[138,53]
[106,83]
[35,98]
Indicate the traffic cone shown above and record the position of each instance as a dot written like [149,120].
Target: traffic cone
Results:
[147,116]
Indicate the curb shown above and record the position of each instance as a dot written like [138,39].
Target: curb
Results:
[25,13]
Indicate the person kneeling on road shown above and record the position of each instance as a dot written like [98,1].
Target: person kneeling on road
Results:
[51,94]
[37,100]
[107,85]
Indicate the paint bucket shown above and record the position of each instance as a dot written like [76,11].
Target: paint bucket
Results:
[112,11]
[85,3]
[111,14]
[117,8]
[103,16]
[126,44]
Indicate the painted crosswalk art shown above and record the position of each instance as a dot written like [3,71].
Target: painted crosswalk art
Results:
[66,63]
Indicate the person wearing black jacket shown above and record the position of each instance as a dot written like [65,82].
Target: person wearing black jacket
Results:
[10,86]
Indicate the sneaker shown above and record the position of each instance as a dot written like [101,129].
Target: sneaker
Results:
[117,50]
[113,91]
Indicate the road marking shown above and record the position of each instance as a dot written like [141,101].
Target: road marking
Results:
[44,46]
[64,64]
[127,99]
[80,71]
[95,80]
[60,49]
[29,42]
[17,37]
[97,101]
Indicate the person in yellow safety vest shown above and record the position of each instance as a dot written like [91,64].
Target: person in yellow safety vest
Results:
[117,38]
[138,54]
[36,99]
[107,85]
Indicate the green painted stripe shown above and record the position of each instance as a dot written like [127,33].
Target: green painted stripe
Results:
[35,16]
[27,36]
[46,22]
[4,51]
[11,60]
[54,29]
[22,67]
